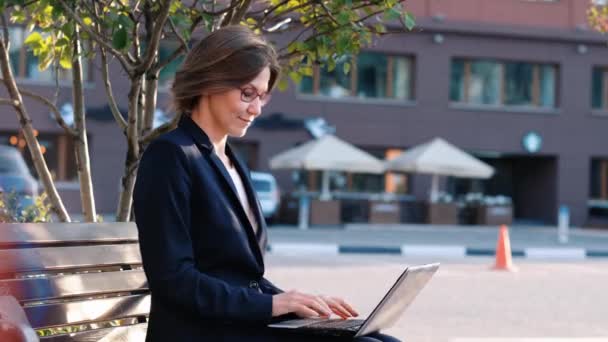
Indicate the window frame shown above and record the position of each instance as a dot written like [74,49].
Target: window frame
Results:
[316,93]
[536,85]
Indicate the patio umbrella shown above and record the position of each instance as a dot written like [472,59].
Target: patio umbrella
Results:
[440,158]
[327,153]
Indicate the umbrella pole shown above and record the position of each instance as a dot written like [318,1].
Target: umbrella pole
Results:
[435,188]
[303,212]
[325,196]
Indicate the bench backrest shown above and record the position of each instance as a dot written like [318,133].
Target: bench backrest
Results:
[66,274]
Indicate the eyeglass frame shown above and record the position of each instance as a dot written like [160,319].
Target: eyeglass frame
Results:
[264,97]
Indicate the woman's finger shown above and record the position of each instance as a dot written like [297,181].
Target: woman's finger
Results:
[304,311]
[336,307]
[347,306]
[314,304]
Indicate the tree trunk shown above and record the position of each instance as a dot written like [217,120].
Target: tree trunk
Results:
[150,101]
[28,131]
[82,147]
[125,201]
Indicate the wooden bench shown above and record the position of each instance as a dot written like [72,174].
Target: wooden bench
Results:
[68,274]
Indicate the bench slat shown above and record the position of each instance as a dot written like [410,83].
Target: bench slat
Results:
[131,333]
[57,258]
[89,284]
[87,311]
[14,235]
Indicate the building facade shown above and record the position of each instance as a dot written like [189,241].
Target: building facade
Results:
[520,84]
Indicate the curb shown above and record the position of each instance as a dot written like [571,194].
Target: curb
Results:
[451,251]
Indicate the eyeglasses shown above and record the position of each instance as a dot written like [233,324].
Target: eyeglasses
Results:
[249,94]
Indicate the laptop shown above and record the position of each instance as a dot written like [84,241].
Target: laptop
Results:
[384,316]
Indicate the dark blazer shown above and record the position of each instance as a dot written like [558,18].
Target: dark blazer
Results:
[203,261]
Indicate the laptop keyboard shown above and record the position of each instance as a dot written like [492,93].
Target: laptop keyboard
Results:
[339,324]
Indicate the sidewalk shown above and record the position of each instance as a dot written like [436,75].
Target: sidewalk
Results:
[436,241]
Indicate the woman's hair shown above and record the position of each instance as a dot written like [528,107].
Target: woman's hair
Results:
[227,58]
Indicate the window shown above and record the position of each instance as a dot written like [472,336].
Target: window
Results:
[25,64]
[599,179]
[598,191]
[599,88]
[493,83]
[373,75]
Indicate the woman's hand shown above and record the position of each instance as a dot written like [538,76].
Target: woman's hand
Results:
[307,306]
[340,307]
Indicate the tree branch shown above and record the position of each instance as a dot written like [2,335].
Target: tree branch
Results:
[120,120]
[164,128]
[5,32]
[48,103]
[228,17]
[97,37]
[329,14]
[178,52]
[179,36]
[240,12]
[56,114]
[232,6]
[7,102]
[154,42]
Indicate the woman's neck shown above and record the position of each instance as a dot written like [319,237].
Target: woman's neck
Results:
[216,135]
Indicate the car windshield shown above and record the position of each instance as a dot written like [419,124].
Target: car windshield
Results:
[8,164]
[261,186]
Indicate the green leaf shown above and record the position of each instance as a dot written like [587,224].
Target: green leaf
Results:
[343,18]
[346,68]
[306,71]
[283,84]
[88,21]
[296,77]
[18,16]
[57,12]
[61,42]
[380,28]
[125,21]
[33,40]
[392,14]
[66,59]
[45,59]
[119,39]
[410,22]
[68,29]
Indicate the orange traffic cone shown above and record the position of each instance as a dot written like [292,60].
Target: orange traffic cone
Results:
[503,251]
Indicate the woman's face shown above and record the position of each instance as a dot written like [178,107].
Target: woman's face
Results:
[232,115]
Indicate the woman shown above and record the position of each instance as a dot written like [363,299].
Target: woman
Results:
[200,227]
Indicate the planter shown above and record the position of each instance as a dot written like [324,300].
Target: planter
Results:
[325,212]
[495,215]
[384,212]
[442,213]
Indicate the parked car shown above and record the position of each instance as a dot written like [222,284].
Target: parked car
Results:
[15,176]
[265,185]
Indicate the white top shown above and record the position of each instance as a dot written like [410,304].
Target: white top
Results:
[240,189]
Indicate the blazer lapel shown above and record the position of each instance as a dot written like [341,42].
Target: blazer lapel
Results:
[202,140]
[251,195]
[236,205]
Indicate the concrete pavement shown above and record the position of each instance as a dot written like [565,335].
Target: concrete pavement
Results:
[436,241]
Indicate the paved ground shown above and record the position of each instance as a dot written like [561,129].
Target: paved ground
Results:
[478,237]
[465,299]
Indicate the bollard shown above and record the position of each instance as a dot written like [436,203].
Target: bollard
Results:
[563,224]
